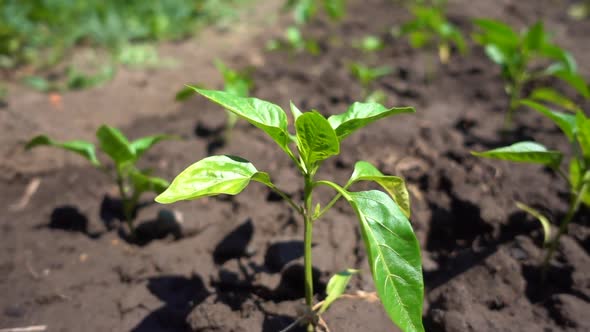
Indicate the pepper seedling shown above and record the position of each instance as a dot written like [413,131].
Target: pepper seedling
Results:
[131,181]
[391,245]
[519,55]
[366,75]
[237,82]
[303,12]
[576,128]
[430,29]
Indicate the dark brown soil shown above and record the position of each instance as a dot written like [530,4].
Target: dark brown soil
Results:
[235,264]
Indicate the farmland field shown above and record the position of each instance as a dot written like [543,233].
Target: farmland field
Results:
[236,262]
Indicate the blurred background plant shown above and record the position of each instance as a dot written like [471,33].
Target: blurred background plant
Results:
[39,34]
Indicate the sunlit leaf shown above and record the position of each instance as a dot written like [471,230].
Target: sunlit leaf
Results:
[83,148]
[212,176]
[524,152]
[395,186]
[541,218]
[566,122]
[359,115]
[115,144]
[336,287]
[315,138]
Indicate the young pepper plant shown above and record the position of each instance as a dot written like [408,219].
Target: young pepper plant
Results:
[576,128]
[131,181]
[516,53]
[431,29]
[366,76]
[391,245]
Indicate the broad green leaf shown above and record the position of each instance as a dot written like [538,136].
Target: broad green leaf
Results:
[141,145]
[551,96]
[541,218]
[316,139]
[336,287]
[535,36]
[583,134]
[524,152]
[395,186]
[394,257]
[212,176]
[497,32]
[262,114]
[115,144]
[83,148]
[359,115]
[144,183]
[565,122]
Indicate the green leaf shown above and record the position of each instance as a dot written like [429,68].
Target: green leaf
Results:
[525,152]
[394,257]
[336,287]
[184,94]
[212,176]
[497,32]
[359,115]
[575,81]
[295,111]
[583,134]
[554,97]
[316,139]
[565,122]
[395,186]
[535,36]
[541,218]
[141,145]
[144,183]
[335,8]
[496,54]
[262,114]
[83,148]
[115,144]
[575,177]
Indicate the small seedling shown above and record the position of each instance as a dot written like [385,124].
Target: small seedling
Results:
[431,29]
[236,82]
[366,75]
[392,248]
[516,53]
[369,44]
[131,181]
[303,12]
[576,128]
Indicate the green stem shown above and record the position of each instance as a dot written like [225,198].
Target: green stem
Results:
[574,205]
[307,217]
[126,204]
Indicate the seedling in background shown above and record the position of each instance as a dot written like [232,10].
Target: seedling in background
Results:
[391,245]
[369,44]
[516,53]
[366,75]
[430,29]
[303,12]
[238,83]
[576,128]
[131,181]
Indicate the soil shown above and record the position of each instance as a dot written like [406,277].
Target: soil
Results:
[235,263]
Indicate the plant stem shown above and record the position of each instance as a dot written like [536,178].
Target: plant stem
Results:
[308,224]
[126,204]
[573,208]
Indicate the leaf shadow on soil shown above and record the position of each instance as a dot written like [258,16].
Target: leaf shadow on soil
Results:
[180,295]
[69,218]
